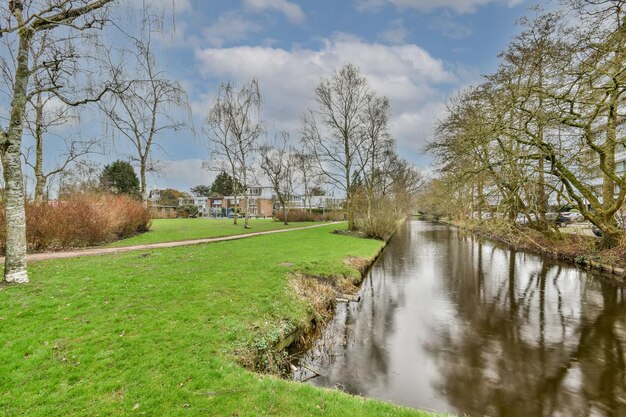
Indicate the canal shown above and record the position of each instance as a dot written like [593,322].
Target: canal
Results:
[450,323]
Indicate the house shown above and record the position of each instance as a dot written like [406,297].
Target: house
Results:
[260,202]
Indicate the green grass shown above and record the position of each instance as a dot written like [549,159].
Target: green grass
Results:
[156,333]
[173,230]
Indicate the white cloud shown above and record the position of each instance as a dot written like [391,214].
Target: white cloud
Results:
[230,27]
[459,6]
[449,27]
[292,11]
[396,34]
[412,79]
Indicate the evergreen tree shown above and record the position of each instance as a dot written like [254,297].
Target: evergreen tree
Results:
[201,191]
[120,178]
[224,184]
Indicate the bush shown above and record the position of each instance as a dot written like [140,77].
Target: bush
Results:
[80,220]
[382,221]
[305,216]
[298,216]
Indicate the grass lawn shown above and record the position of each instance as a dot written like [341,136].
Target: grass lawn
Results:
[155,333]
[172,230]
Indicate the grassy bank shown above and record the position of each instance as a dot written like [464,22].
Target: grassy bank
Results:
[173,230]
[569,247]
[162,332]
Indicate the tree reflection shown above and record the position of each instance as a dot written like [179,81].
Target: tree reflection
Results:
[535,340]
[447,321]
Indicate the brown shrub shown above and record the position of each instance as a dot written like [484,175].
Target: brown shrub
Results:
[298,216]
[380,221]
[306,216]
[80,220]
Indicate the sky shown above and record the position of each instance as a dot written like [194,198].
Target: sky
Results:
[415,52]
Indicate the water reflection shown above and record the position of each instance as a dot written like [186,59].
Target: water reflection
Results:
[452,324]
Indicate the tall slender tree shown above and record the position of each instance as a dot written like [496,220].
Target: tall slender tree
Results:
[21,22]
[333,129]
[233,128]
[149,105]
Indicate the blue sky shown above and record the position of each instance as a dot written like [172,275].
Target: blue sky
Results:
[416,52]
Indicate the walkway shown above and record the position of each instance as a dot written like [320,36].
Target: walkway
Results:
[109,251]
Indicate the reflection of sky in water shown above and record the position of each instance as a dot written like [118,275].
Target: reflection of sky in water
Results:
[451,323]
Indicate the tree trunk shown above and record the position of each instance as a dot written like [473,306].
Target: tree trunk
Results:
[40,178]
[245,200]
[143,185]
[286,212]
[15,260]
[610,238]
[349,212]
[541,195]
[480,199]
[541,183]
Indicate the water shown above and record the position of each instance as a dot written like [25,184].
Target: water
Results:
[448,323]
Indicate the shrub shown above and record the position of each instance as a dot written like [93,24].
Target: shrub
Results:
[80,220]
[298,216]
[306,216]
[382,220]
[334,216]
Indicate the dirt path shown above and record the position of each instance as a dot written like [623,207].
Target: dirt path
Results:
[108,251]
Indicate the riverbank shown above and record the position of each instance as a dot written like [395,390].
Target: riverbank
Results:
[165,331]
[577,249]
[323,295]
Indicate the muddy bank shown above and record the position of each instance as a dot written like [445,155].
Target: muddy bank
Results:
[322,294]
[576,249]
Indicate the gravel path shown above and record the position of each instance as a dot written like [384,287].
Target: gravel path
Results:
[107,251]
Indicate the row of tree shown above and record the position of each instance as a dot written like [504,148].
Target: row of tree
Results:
[56,62]
[344,142]
[547,128]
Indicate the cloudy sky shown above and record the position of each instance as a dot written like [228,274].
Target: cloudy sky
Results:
[416,52]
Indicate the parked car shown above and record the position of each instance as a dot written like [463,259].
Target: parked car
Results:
[573,216]
[558,218]
[621,222]
[596,230]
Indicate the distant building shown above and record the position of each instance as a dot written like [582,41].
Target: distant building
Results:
[262,202]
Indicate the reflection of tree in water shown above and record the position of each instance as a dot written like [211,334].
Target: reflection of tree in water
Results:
[371,322]
[534,340]
[368,323]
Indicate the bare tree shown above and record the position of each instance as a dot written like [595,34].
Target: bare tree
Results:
[278,163]
[54,95]
[233,128]
[377,150]
[21,21]
[308,174]
[148,104]
[548,121]
[332,131]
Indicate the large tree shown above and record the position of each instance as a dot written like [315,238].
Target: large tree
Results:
[225,185]
[201,191]
[53,99]
[333,129]
[233,128]
[119,177]
[21,22]
[278,162]
[150,103]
